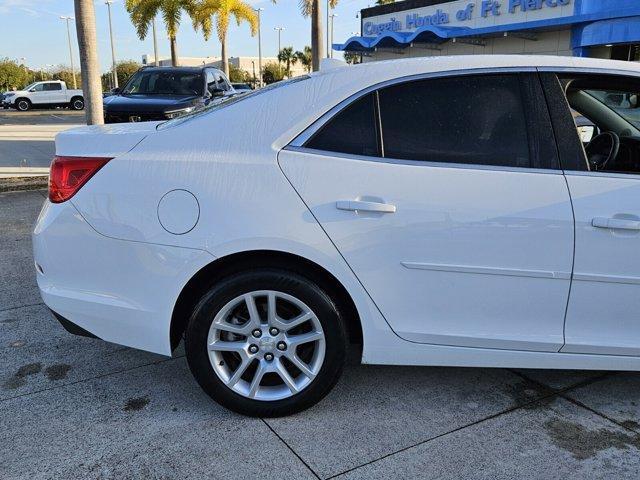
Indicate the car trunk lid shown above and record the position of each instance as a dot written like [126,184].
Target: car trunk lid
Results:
[102,140]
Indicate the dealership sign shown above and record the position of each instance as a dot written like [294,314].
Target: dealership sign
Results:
[482,10]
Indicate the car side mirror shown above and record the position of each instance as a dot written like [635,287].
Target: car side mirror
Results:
[116,90]
[32,89]
[633,100]
[216,92]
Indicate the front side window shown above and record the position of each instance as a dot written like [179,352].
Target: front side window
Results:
[353,130]
[467,119]
[606,111]
[37,88]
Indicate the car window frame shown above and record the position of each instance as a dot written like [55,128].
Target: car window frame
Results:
[300,141]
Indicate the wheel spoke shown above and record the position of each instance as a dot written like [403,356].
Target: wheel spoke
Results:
[296,340]
[303,367]
[254,316]
[286,377]
[244,329]
[239,372]
[272,316]
[299,320]
[257,378]
[222,346]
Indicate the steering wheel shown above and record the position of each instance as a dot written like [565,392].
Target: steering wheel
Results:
[601,149]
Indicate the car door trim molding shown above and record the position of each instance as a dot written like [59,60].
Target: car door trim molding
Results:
[508,272]
[596,277]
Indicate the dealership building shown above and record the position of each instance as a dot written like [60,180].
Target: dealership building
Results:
[582,28]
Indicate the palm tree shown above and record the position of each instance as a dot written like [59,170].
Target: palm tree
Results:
[289,58]
[88,46]
[143,12]
[312,8]
[304,57]
[222,10]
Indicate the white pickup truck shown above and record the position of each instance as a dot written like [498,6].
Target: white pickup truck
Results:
[44,94]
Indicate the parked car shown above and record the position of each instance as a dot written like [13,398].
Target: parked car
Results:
[53,93]
[242,87]
[160,93]
[394,207]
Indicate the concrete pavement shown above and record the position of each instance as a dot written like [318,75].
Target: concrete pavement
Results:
[73,407]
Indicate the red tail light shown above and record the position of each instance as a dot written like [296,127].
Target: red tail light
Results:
[69,174]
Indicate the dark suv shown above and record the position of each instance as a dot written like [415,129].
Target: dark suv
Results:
[161,93]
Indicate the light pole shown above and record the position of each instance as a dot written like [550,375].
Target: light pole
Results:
[113,50]
[73,68]
[156,61]
[333,15]
[258,10]
[279,30]
[328,15]
[253,65]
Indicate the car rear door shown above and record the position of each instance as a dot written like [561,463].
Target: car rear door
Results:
[54,93]
[445,198]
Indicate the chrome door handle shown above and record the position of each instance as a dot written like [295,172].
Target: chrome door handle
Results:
[362,206]
[615,223]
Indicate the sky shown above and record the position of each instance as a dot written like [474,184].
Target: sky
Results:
[32,29]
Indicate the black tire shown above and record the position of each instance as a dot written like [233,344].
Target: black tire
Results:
[76,103]
[266,279]
[23,104]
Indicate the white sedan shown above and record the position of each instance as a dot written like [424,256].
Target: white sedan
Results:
[437,211]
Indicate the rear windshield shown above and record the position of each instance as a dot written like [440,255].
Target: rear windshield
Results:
[164,83]
[230,100]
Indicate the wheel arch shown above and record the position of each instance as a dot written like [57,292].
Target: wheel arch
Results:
[75,97]
[15,102]
[222,267]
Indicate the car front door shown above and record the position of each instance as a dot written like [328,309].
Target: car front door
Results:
[602,313]
[37,95]
[445,198]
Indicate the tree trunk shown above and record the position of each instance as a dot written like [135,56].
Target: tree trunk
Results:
[174,51]
[317,46]
[87,44]
[223,53]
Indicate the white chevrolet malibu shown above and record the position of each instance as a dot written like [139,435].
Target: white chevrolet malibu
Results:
[442,211]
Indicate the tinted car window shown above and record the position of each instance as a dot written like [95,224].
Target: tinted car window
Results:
[352,130]
[468,119]
[52,86]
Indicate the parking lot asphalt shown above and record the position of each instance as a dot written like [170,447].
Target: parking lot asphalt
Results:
[74,407]
[27,138]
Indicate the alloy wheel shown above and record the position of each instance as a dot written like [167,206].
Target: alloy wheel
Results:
[266,345]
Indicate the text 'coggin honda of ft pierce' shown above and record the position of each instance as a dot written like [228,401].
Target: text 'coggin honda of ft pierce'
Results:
[441,211]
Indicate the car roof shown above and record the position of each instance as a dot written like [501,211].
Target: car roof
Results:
[435,64]
[178,69]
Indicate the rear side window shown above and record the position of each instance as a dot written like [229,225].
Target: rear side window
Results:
[469,120]
[52,86]
[353,130]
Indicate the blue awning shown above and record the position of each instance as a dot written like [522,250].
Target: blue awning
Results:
[603,32]
[426,34]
